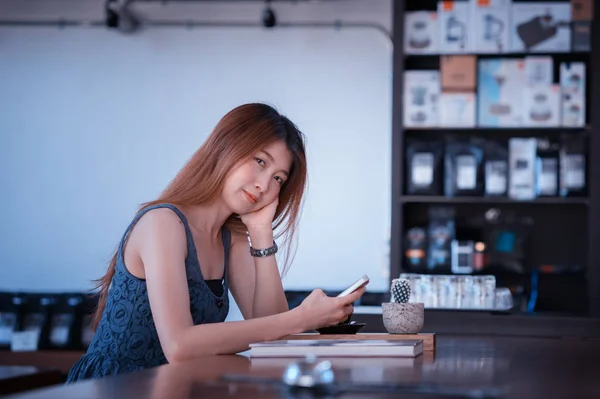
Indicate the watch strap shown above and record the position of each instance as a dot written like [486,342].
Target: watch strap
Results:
[263,253]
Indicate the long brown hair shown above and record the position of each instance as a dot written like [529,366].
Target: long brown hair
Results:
[241,133]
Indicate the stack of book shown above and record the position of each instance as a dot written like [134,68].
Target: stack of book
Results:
[337,348]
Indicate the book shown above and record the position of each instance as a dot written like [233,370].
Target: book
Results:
[335,348]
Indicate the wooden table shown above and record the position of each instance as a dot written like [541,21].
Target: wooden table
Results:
[20,378]
[517,366]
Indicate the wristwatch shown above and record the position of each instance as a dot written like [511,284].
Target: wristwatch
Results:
[263,253]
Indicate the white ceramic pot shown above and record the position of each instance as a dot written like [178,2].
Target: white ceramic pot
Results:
[403,318]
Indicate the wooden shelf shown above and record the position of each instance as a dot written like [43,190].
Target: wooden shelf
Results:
[430,199]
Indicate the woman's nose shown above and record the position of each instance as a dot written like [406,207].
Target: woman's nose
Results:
[262,184]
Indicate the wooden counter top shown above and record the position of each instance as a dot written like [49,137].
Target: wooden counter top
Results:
[518,366]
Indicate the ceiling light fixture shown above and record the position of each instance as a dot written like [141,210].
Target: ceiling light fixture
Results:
[269,19]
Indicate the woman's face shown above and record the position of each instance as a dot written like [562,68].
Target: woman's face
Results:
[257,181]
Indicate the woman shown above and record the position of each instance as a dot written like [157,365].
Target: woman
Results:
[209,231]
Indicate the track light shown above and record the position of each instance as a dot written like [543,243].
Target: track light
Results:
[118,15]
[111,14]
[269,19]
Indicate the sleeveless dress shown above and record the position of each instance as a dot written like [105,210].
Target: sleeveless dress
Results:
[126,339]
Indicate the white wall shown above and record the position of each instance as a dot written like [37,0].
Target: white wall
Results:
[94,122]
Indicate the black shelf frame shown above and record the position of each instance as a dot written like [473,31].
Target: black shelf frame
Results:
[508,130]
[435,199]
[513,54]
[591,203]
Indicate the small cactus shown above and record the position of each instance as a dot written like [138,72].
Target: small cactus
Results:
[400,290]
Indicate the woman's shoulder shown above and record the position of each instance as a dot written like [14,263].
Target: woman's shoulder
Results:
[160,217]
[159,226]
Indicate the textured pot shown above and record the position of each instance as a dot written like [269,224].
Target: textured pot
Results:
[403,318]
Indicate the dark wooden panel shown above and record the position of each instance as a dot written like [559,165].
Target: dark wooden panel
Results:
[593,231]
[61,360]
[22,378]
[485,323]
[397,139]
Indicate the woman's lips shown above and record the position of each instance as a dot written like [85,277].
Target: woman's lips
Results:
[250,197]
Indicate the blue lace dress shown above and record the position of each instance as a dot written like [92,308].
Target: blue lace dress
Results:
[126,338]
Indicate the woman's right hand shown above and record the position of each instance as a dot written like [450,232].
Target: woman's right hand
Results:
[320,310]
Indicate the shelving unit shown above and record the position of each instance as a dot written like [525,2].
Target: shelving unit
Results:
[565,230]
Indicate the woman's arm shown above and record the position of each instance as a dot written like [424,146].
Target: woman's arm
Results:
[268,296]
[242,275]
[255,282]
[162,249]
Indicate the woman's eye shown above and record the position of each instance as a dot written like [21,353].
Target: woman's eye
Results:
[260,161]
[279,179]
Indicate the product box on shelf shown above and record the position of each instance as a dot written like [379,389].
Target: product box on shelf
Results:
[546,168]
[441,232]
[490,24]
[500,92]
[582,10]
[496,168]
[457,110]
[458,72]
[421,32]
[573,180]
[541,105]
[539,69]
[580,36]
[572,84]
[522,155]
[424,166]
[453,27]
[464,166]
[421,98]
[541,27]
[582,15]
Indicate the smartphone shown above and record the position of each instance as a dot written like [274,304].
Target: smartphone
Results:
[361,282]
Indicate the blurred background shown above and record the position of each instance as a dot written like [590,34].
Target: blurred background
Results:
[103,102]
[449,143]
